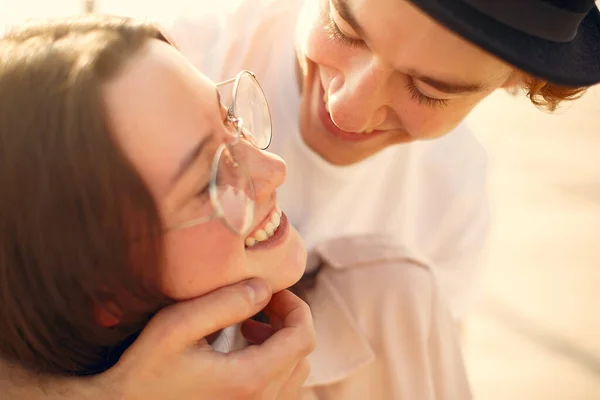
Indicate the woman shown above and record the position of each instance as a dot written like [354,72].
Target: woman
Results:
[129,186]
[126,186]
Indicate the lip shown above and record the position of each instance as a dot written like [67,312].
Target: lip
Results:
[332,128]
[279,236]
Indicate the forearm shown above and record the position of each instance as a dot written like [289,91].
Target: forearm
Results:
[19,384]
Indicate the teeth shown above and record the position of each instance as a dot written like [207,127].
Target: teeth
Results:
[276,219]
[368,131]
[268,230]
[260,235]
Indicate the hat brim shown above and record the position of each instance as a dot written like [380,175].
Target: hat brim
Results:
[576,63]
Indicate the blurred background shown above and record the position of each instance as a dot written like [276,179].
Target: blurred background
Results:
[536,333]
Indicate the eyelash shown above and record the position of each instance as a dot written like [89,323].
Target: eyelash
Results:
[420,98]
[230,112]
[336,34]
[203,192]
[229,123]
[228,120]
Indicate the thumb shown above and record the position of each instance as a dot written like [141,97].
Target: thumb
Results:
[181,324]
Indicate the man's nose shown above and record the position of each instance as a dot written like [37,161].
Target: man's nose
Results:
[358,100]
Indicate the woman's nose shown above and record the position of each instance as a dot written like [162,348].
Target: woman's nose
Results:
[267,170]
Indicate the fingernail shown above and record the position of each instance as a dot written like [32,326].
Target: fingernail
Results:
[258,289]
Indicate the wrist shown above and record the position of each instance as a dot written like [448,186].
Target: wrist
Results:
[18,383]
[99,387]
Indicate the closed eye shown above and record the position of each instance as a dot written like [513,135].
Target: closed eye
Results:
[230,122]
[230,113]
[336,34]
[203,192]
[422,99]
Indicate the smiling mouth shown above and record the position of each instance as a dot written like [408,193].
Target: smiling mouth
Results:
[267,229]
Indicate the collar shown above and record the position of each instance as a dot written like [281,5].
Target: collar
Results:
[342,346]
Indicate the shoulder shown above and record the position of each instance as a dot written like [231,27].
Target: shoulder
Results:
[458,154]
[232,12]
[450,172]
[461,140]
[221,38]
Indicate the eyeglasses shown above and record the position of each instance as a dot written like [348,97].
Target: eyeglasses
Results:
[231,189]
[249,107]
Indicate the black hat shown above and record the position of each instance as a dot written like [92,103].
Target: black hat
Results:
[556,40]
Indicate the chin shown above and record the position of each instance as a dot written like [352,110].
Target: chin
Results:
[290,268]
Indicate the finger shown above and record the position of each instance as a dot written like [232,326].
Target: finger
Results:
[292,388]
[295,320]
[186,322]
[280,306]
[256,332]
[287,346]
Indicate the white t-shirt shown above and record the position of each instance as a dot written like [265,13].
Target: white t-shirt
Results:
[430,195]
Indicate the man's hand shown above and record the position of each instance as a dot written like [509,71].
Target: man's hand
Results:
[171,360]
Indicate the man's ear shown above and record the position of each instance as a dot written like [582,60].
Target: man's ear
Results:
[107,314]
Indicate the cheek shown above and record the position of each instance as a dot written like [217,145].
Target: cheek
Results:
[425,122]
[199,261]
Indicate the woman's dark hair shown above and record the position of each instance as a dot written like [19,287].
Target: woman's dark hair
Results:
[78,226]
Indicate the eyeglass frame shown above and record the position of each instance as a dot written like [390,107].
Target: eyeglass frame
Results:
[235,119]
[219,212]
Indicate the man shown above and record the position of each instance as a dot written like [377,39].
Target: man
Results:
[357,88]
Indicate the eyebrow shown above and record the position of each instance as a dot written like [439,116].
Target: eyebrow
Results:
[346,13]
[449,87]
